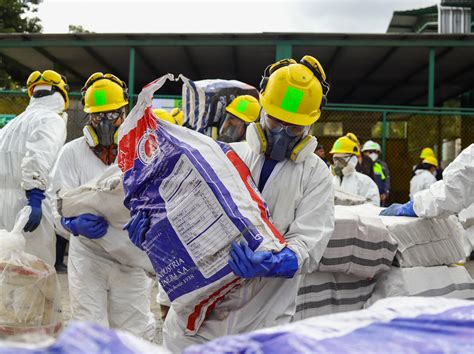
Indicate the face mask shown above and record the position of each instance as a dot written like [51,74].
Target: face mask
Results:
[280,145]
[103,140]
[374,156]
[296,150]
[232,130]
[345,167]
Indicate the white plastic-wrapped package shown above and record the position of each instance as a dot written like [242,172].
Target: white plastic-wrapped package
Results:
[412,325]
[30,298]
[104,196]
[200,197]
[343,198]
[82,338]
[325,293]
[421,242]
[204,102]
[451,282]
[360,245]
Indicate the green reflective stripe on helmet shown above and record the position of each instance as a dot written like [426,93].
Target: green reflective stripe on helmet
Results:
[337,145]
[292,99]
[242,106]
[378,170]
[100,98]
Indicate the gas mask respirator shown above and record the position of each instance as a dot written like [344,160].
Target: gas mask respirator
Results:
[101,134]
[280,142]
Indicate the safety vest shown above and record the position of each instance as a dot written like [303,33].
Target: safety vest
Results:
[378,170]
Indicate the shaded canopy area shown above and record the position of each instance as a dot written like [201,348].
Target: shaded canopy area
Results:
[361,68]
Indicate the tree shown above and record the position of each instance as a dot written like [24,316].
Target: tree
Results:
[78,29]
[15,17]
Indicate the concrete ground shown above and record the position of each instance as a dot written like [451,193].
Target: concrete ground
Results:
[155,307]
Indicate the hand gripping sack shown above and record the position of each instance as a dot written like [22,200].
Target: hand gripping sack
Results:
[200,197]
[30,299]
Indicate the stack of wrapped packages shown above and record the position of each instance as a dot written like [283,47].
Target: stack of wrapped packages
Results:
[30,299]
[370,257]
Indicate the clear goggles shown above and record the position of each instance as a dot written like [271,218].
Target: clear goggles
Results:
[111,116]
[276,126]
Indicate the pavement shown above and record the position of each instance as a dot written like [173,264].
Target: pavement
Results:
[154,307]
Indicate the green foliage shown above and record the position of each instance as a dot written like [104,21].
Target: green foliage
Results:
[16,17]
[78,29]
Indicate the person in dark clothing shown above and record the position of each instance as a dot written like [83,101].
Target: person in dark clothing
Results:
[319,151]
[61,245]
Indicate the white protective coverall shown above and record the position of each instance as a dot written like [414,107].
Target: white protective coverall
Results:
[453,194]
[29,146]
[358,184]
[101,288]
[300,198]
[422,180]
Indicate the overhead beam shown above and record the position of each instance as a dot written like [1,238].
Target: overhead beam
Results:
[235,63]
[100,59]
[192,63]
[333,58]
[144,58]
[283,50]
[407,77]
[430,43]
[368,73]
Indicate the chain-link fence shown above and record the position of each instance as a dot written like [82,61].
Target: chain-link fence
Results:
[402,132]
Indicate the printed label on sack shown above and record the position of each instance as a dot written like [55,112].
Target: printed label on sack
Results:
[197,217]
[148,147]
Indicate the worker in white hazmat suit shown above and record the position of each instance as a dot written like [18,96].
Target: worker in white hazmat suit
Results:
[425,176]
[102,289]
[29,145]
[297,187]
[345,152]
[453,194]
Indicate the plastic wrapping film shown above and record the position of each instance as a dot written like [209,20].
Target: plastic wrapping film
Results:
[395,325]
[30,297]
[421,242]
[360,245]
[104,196]
[343,198]
[325,293]
[82,338]
[452,282]
[200,197]
[204,101]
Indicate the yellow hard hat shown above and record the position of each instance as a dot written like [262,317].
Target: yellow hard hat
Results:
[177,114]
[245,107]
[353,137]
[164,115]
[294,93]
[426,152]
[103,93]
[431,160]
[49,77]
[345,145]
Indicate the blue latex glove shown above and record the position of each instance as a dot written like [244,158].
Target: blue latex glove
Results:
[137,228]
[88,225]
[399,210]
[34,197]
[249,264]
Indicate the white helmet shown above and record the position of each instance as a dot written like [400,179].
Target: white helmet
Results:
[371,145]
